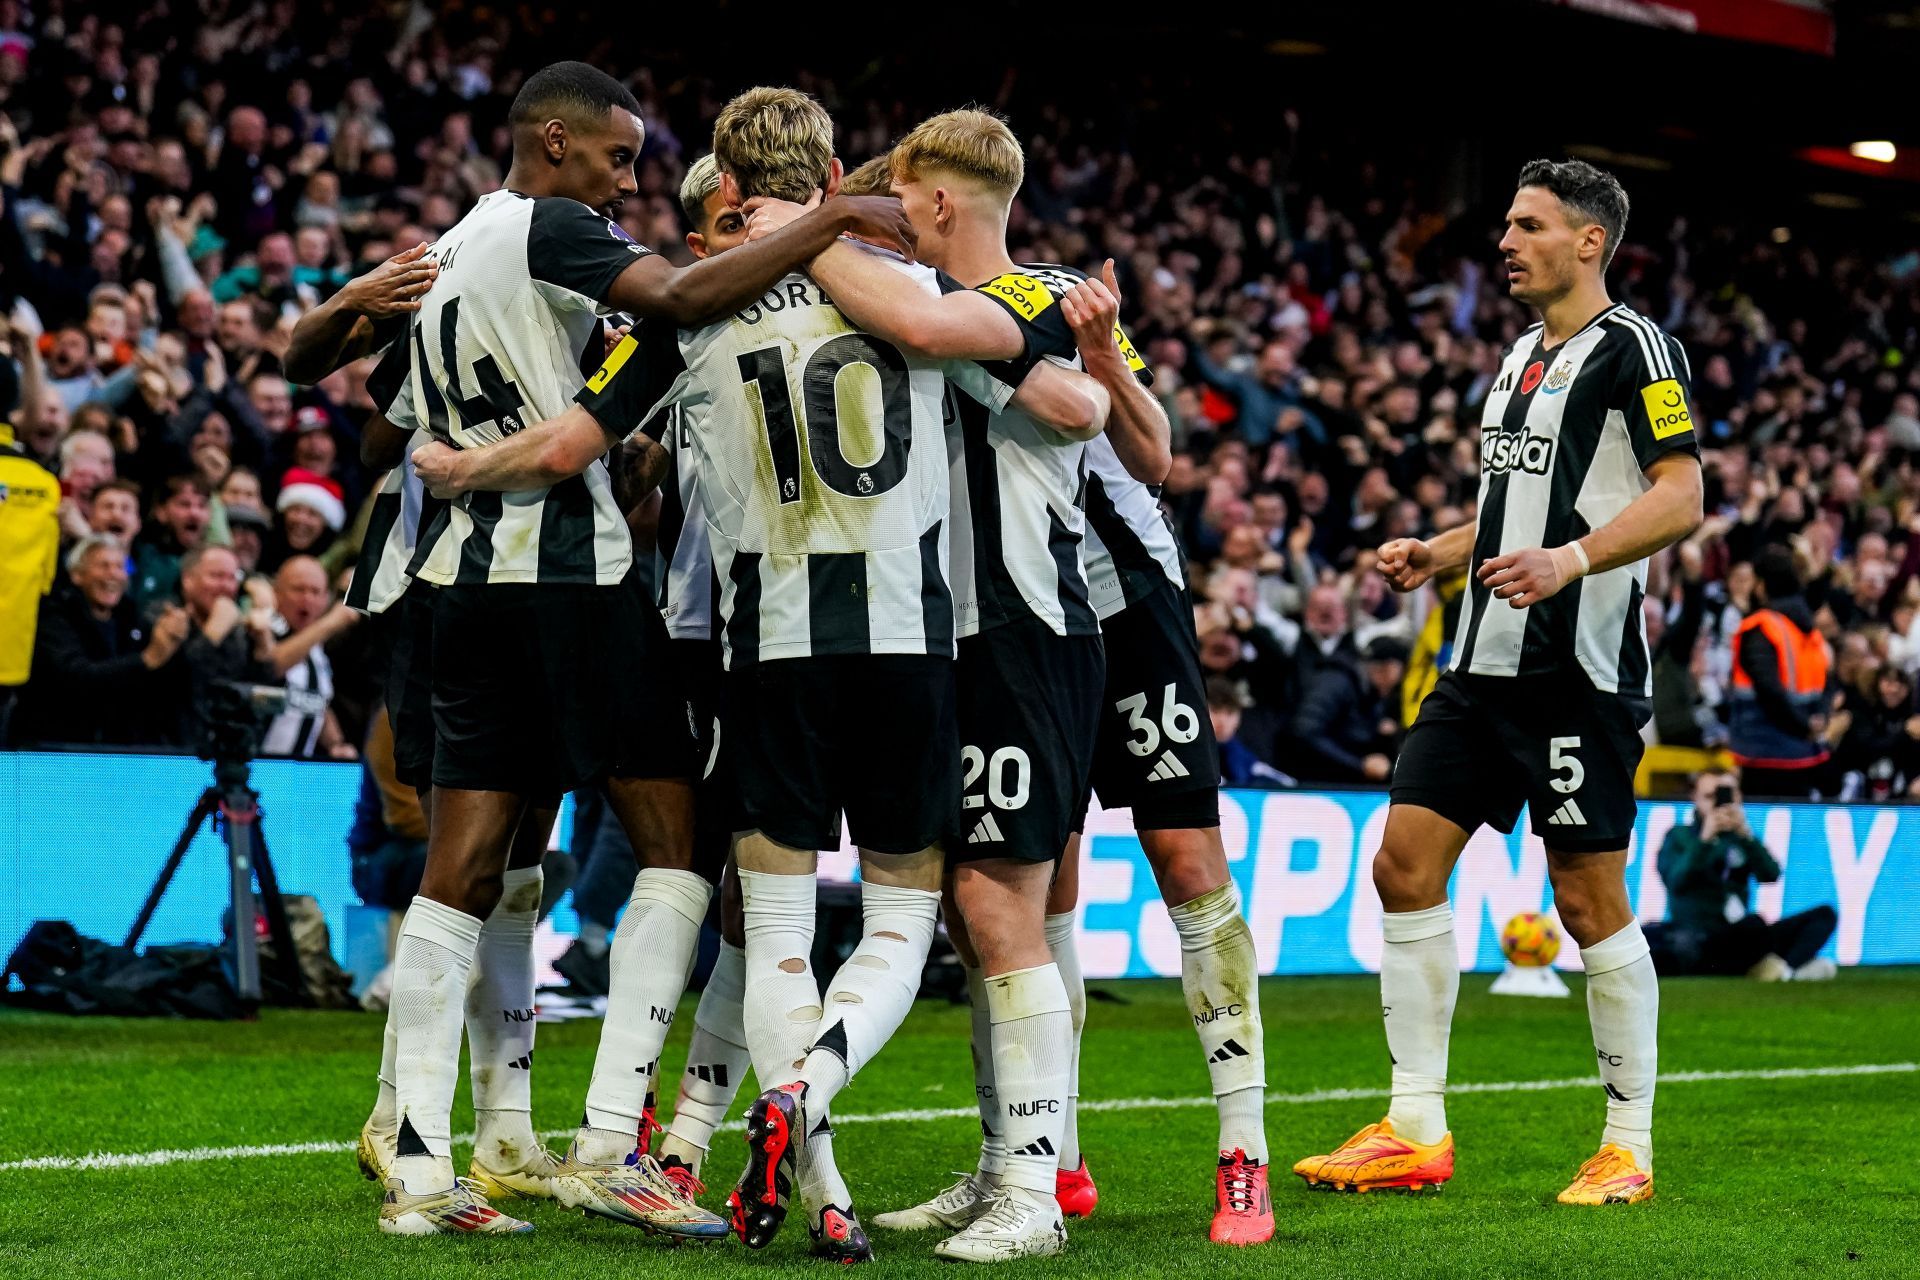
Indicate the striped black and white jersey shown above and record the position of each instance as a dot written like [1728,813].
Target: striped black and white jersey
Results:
[822,464]
[1566,437]
[1131,549]
[686,583]
[1017,517]
[401,507]
[295,731]
[504,339]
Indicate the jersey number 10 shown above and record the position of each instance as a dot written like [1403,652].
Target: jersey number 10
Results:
[766,368]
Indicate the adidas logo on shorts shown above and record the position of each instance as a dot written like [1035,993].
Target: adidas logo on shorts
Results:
[987,832]
[1568,815]
[1168,768]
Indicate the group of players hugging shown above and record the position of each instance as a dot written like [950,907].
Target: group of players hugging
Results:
[914,577]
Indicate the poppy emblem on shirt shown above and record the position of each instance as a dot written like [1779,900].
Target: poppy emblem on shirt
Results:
[1531,378]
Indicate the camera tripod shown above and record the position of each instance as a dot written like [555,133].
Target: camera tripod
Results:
[234,806]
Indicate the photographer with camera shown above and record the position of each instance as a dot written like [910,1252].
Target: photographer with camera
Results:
[1708,868]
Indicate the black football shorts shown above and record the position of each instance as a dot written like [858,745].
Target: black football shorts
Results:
[1484,745]
[409,686]
[1029,712]
[1155,752]
[543,687]
[870,736]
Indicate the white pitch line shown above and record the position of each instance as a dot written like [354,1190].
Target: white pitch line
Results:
[919,1115]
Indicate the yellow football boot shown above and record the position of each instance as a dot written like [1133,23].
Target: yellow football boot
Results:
[1374,1159]
[375,1153]
[1611,1177]
[532,1179]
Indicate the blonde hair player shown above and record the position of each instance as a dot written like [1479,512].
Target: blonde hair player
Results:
[957,174]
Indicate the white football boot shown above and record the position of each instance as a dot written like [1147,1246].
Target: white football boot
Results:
[1017,1224]
[951,1210]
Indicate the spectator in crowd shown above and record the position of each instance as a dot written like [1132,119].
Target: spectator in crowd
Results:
[306,620]
[247,531]
[1682,713]
[1709,867]
[114,510]
[1780,730]
[175,529]
[102,675]
[1262,394]
[1348,725]
[222,643]
[72,374]
[242,488]
[1239,766]
[86,463]
[273,277]
[312,511]
[1880,754]
[1323,639]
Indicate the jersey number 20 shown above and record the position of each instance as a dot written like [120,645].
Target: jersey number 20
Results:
[821,416]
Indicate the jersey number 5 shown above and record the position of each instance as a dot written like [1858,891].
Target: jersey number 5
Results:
[766,368]
[1560,756]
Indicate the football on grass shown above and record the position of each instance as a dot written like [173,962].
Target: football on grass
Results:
[1530,940]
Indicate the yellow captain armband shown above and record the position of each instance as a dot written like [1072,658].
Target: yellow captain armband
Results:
[615,359]
[1028,297]
[1120,339]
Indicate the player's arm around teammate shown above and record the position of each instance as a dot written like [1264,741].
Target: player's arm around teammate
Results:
[363,316]
[550,451]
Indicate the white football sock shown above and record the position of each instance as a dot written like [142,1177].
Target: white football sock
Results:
[993,1125]
[386,1101]
[873,991]
[653,952]
[1221,979]
[1032,1055]
[1066,958]
[500,1025]
[1623,1004]
[780,1008]
[430,969]
[1419,982]
[717,1061]
[820,1183]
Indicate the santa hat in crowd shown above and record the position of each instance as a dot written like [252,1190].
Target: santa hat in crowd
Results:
[304,488]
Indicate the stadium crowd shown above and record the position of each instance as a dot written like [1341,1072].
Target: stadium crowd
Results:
[177,192]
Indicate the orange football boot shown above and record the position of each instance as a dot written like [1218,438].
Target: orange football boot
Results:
[1611,1177]
[1375,1158]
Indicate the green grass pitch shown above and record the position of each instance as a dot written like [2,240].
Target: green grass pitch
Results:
[1793,1174]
